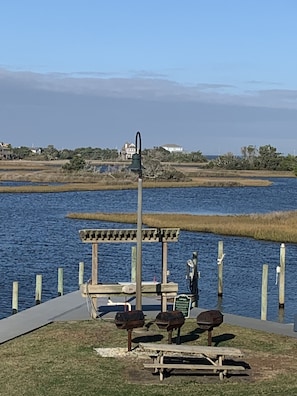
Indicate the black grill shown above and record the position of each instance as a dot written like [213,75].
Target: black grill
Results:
[129,320]
[207,320]
[170,320]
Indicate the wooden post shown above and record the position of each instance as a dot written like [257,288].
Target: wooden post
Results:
[94,277]
[194,288]
[220,268]
[164,274]
[81,273]
[60,281]
[133,264]
[38,289]
[282,264]
[15,297]
[209,336]
[264,292]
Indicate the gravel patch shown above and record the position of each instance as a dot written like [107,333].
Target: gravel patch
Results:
[121,352]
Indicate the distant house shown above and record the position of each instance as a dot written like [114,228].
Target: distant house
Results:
[5,151]
[128,150]
[36,150]
[173,148]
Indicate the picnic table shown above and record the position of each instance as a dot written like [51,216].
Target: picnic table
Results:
[188,357]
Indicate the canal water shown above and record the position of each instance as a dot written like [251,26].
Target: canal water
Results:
[37,238]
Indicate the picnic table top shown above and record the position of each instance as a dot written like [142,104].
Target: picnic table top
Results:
[210,351]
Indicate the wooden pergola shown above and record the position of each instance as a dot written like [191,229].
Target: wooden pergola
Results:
[96,236]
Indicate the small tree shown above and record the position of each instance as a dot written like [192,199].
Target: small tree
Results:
[76,164]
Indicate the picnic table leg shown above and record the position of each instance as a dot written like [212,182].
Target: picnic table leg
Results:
[161,369]
[222,373]
[158,360]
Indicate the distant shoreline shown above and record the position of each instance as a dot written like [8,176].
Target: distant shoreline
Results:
[48,172]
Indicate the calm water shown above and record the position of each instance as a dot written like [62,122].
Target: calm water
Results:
[37,238]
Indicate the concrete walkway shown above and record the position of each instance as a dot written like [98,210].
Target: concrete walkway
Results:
[73,306]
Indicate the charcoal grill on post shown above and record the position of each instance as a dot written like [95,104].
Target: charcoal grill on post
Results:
[170,320]
[207,320]
[129,320]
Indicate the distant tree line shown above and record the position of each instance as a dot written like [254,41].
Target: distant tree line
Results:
[252,158]
[50,153]
[90,153]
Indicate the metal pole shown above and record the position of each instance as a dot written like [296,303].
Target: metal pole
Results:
[164,274]
[139,247]
[133,264]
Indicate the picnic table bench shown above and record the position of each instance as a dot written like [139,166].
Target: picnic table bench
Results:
[207,358]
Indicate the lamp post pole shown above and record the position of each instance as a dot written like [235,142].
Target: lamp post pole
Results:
[139,247]
[139,228]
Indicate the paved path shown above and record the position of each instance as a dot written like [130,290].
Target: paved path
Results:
[73,306]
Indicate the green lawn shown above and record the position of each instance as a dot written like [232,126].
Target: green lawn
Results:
[59,359]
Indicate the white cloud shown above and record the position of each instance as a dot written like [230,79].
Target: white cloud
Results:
[148,87]
[67,111]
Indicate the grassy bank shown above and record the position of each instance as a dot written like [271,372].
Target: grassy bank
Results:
[275,226]
[63,183]
[59,359]
[51,178]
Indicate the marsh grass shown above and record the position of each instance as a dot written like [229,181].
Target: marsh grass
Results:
[275,226]
[59,359]
[86,182]
[48,172]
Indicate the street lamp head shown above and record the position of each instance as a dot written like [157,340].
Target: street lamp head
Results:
[136,163]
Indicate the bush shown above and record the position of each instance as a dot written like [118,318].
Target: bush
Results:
[76,164]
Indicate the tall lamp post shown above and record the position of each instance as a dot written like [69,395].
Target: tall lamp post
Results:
[137,167]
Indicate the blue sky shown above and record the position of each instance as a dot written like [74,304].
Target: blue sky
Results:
[208,75]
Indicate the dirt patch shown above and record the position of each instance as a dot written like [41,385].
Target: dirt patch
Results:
[266,366]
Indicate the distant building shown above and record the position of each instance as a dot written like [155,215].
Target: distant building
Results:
[36,150]
[128,150]
[173,148]
[5,151]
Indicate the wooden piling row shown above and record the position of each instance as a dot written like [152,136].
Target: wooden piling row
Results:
[38,287]
[281,273]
